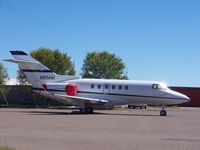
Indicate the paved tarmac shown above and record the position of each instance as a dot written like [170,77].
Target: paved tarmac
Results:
[47,129]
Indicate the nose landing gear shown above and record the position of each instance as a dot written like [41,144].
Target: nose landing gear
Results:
[163,112]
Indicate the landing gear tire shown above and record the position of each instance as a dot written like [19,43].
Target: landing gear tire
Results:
[163,113]
[82,111]
[86,110]
[89,110]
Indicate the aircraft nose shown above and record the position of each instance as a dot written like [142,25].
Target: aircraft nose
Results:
[181,98]
[184,97]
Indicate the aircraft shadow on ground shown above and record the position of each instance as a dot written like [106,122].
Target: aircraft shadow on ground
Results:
[95,113]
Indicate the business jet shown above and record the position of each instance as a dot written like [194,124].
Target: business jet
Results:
[86,93]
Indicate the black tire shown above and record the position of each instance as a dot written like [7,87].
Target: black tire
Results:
[163,113]
[82,110]
[86,110]
[89,110]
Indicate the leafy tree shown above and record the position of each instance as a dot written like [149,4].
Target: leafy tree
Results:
[21,77]
[103,65]
[55,60]
[3,74]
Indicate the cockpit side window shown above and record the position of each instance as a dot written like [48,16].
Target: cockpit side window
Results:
[159,86]
[155,86]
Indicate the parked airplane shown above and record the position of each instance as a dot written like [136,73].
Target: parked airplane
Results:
[86,93]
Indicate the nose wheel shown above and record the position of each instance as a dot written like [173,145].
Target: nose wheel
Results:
[163,112]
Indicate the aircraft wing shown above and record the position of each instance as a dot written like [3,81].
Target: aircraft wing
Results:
[81,100]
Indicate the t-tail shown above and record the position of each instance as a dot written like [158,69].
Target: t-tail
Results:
[36,73]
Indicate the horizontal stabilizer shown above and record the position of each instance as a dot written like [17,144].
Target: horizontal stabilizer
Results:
[18,53]
[20,61]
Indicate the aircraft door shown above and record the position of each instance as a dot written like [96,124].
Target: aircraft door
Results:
[106,88]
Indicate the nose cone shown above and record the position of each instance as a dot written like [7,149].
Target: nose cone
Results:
[184,97]
[177,97]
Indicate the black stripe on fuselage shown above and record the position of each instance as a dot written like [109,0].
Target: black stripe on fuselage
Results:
[113,94]
[30,70]
[18,53]
[50,90]
[128,95]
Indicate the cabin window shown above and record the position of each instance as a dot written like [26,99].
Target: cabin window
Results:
[92,86]
[126,87]
[106,86]
[99,86]
[113,87]
[120,87]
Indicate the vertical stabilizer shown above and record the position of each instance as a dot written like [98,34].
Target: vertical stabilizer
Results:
[36,73]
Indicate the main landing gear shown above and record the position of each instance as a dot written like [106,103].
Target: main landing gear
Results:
[86,110]
[163,112]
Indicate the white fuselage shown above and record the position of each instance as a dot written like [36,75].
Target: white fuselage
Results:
[121,92]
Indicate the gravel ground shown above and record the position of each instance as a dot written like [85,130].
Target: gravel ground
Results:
[46,129]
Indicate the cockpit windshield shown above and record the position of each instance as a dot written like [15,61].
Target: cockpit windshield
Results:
[161,86]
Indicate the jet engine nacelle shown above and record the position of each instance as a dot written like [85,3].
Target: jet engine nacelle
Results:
[70,89]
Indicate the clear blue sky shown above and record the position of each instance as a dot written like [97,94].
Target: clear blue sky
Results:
[157,39]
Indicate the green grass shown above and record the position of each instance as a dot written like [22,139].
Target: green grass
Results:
[6,148]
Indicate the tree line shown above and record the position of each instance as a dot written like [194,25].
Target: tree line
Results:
[98,65]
